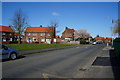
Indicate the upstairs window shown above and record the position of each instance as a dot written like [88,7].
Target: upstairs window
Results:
[3,33]
[34,34]
[48,34]
[42,34]
[28,33]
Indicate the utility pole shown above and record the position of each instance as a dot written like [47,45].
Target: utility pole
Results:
[112,31]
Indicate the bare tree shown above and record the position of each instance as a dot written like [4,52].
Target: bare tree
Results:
[116,29]
[54,24]
[19,23]
[81,34]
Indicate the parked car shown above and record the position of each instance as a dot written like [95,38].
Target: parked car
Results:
[94,43]
[99,42]
[7,52]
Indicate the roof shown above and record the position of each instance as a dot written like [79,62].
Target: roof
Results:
[57,36]
[6,29]
[40,29]
[110,38]
[17,34]
[71,30]
[100,38]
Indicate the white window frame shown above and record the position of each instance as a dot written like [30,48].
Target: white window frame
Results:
[43,40]
[4,39]
[3,33]
[34,34]
[42,34]
[48,34]
[29,33]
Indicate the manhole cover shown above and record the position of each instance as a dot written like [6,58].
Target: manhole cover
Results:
[102,61]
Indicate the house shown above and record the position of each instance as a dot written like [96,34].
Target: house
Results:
[100,39]
[68,34]
[108,40]
[16,36]
[105,40]
[39,34]
[58,39]
[7,34]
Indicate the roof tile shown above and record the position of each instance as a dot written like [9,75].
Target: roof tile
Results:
[40,29]
[6,29]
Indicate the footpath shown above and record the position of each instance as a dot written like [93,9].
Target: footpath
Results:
[105,66]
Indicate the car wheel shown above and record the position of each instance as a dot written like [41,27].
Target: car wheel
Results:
[13,56]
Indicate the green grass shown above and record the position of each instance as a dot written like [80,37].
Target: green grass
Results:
[26,47]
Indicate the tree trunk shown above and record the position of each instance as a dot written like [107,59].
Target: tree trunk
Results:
[45,37]
[19,40]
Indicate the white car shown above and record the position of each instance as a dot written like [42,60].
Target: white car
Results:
[94,43]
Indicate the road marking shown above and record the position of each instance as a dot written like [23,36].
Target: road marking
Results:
[107,48]
[47,76]
[77,47]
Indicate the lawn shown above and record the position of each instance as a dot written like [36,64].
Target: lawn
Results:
[26,47]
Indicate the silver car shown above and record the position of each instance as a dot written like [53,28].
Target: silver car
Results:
[7,52]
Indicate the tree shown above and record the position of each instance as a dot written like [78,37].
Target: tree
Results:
[116,28]
[81,34]
[19,23]
[55,24]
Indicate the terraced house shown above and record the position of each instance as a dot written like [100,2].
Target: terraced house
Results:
[40,34]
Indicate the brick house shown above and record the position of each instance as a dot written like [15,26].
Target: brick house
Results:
[68,34]
[39,34]
[108,40]
[100,39]
[16,36]
[105,40]
[7,34]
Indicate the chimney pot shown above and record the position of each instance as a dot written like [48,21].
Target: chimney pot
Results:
[40,25]
[66,27]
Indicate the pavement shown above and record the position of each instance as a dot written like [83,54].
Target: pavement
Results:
[90,61]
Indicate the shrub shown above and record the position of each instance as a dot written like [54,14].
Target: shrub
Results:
[82,42]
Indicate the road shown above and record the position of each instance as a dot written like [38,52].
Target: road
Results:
[70,63]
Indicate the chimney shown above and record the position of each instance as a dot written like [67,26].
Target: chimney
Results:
[66,27]
[40,25]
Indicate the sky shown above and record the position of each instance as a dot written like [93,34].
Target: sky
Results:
[95,17]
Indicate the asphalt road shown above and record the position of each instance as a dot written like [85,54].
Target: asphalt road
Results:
[70,63]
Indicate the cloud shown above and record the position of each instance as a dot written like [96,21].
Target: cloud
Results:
[55,14]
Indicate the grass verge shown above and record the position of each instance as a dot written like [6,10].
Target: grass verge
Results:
[26,47]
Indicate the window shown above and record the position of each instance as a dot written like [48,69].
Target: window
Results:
[42,40]
[3,33]
[48,34]
[34,39]
[3,39]
[34,34]
[10,39]
[42,34]
[10,33]
[28,33]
